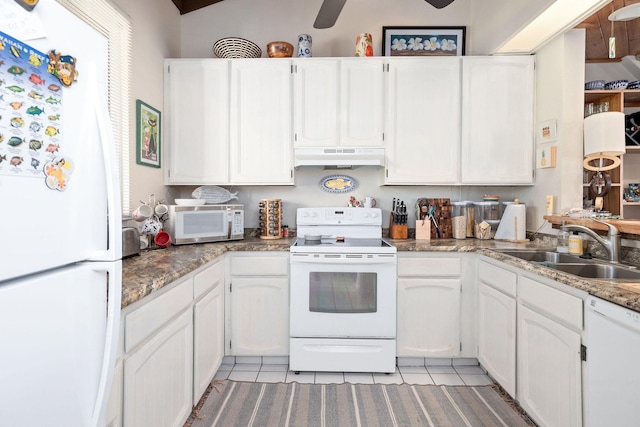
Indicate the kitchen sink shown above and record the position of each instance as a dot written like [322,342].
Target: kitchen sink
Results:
[598,271]
[573,264]
[543,256]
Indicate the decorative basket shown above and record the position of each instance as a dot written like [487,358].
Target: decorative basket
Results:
[234,47]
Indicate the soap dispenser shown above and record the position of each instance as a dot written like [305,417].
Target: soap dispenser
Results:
[563,240]
[575,244]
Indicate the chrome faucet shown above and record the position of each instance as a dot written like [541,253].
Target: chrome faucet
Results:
[612,244]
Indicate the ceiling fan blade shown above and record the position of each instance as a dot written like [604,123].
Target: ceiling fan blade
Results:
[328,14]
[439,4]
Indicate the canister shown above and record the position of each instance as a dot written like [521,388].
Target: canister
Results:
[304,46]
[459,219]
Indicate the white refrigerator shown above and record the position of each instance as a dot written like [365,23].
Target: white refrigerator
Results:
[60,225]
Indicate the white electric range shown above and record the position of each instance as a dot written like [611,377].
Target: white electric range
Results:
[342,292]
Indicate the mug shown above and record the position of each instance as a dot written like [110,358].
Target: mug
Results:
[369,202]
[161,209]
[151,225]
[162,239]
[142,213]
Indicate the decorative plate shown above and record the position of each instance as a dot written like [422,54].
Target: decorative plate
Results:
[338,183]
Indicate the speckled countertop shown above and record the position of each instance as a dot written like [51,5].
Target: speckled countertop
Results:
[157,268]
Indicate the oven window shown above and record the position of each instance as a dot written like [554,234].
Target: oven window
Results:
[335,292]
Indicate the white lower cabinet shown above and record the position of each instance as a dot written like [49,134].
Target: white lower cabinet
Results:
[428,318]
[497,324]
[258,304]
[157,377]
[549,356]
[208,330]
[171,345]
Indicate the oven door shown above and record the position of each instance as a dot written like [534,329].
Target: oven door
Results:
[343,295]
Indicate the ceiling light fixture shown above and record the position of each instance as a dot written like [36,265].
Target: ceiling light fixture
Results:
[626,13]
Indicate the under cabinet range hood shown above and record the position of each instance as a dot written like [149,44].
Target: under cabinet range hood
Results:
[338,157]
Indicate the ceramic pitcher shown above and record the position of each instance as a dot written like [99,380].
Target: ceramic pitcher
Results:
[304,46]
[364,45]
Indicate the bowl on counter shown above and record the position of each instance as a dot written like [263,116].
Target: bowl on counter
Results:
[279,49]
[616,85]
[594,85]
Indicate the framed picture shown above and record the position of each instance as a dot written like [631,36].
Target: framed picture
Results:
[423,41]
[546,132]
[147,135]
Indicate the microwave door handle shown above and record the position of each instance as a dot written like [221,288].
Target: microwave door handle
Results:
[229,224]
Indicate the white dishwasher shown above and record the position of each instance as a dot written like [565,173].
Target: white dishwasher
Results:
[613,365]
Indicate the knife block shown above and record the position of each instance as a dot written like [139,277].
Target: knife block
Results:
[397,231]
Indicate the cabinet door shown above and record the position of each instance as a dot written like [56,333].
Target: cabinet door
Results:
[197,121]
[158,377]
[259,316]
[428,317]
[316,86]
[361,102]
[261,134]
[208,339]
[497,120]
[549,370]
[423,121]
[497,336]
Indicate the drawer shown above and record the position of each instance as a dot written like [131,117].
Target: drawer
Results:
[551,302]
[259,266]
[142,322]
[209,278]
[420,266]
[498,278]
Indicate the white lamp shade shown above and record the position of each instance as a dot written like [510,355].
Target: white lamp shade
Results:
[604,134]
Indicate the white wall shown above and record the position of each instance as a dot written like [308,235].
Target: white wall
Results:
[269,20]
[156,35]
[559,96]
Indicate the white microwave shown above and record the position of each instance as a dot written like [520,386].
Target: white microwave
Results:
[206,223]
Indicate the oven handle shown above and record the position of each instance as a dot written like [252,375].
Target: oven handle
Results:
[323,259]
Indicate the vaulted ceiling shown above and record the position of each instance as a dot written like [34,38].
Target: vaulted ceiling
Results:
[186,6]
[598,31]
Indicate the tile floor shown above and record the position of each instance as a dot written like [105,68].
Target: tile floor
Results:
[260,371]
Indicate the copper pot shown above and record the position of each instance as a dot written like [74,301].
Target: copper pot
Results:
[279,49]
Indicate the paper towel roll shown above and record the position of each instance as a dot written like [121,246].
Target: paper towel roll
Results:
[513,223]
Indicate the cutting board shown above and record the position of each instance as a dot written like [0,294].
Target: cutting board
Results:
[442,215]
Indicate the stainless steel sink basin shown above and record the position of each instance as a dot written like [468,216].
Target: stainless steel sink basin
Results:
[598,271]
[543,256]
[572,264]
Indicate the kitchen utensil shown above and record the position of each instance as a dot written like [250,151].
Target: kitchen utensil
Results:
[161,209]
[142,212]
[279,49]
[151,225]
[162,239]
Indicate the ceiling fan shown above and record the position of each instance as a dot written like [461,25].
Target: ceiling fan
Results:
[330,10]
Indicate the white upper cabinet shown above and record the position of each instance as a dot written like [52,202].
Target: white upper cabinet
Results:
[339,102]
[261,132]
[361,102]
[196,122]
[423,121]
[316,103]
[497,125]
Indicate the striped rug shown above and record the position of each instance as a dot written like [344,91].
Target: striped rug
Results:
[265,404]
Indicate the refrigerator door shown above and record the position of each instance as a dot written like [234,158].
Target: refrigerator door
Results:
[58,345]
[46,228]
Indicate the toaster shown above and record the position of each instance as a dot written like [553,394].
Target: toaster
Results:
[130,241]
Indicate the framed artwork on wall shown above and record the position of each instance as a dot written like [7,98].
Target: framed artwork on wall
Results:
[423,41]
[148,143]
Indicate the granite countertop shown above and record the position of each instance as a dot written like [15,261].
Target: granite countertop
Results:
[154,269]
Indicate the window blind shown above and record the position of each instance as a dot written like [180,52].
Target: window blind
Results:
[108,20]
